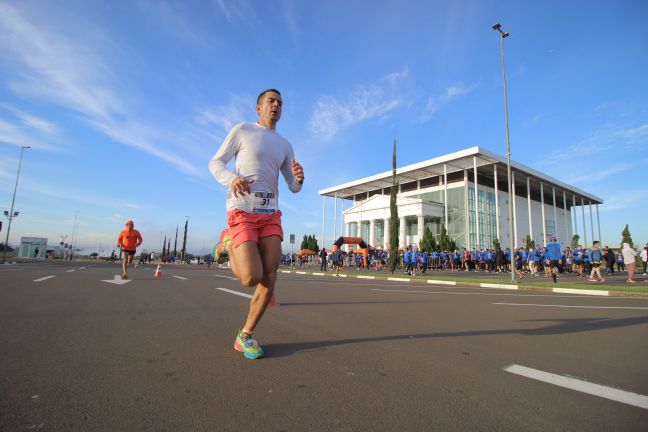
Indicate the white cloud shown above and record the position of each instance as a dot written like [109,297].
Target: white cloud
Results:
[627,198]
[366,102]
[227,116]
[596,175]
[70,74]
[236,11]
[435,103]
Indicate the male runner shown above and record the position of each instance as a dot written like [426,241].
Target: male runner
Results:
[128,240]
[554,257]
[253,240]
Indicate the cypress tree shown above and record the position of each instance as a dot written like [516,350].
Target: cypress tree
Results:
[626,237]
[574,241]
[394,221]
[425,244]
[304,243]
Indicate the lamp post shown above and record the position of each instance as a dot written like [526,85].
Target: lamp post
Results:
[73,238]
[497,27]
[11,214]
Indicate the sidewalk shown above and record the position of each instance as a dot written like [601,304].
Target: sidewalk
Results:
[615,283]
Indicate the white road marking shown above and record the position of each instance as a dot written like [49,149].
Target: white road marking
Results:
[365,277]
[300,272]
[235,292]
[393,279]
[70,271]
[576,307]
[117,280]
[226,277]
[286,271]
[484,294]
[500,286]
[581,291]
[318,274]
[81,268]
[179,277]
[599,390]
[441,282]
[43,278]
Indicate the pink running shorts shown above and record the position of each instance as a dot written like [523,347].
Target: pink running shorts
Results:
[244,226]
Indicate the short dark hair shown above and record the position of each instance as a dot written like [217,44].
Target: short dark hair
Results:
[266,91]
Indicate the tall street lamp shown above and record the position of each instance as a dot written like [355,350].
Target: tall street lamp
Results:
[73,238]
[11,214]
[497,27]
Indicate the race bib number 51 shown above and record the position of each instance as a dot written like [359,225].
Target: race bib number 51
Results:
[264,202]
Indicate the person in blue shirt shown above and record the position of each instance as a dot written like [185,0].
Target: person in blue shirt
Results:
[553,257]
[578,260]
[519,262]
[406,260]
[424,259]
[596,256]
[414,261]
[524,255]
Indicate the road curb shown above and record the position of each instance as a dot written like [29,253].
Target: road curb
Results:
[560,290]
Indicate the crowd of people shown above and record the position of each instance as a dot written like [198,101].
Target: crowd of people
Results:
[593,263]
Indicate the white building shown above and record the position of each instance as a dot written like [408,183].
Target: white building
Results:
[443,191]
[32,247]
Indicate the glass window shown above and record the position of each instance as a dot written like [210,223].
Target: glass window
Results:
[353,229]
[380,231]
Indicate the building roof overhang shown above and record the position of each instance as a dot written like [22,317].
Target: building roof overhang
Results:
[453,162]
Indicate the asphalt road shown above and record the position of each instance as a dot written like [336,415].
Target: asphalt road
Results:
[78,353]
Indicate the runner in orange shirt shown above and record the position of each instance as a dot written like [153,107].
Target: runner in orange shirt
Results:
[129,240]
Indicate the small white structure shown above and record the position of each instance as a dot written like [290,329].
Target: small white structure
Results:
[32,247]
[442,192]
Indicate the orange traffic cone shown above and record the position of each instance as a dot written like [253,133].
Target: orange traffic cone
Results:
[273,302]
[158,272]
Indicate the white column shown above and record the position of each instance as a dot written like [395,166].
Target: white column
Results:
[445,195]
[335,217]
[342,218]
[372,232]
[529,206]
[553,193]
[567,239]
[385,233]
[574,214]
[544,221]
[515,236]
[592,220]
[348,230]
[598,223]
[478,239]
[323,206]
[497,210]
[401,234]
[467,213]
[420,227]
[584,226]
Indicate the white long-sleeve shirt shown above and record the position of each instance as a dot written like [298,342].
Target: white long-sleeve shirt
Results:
[261,153]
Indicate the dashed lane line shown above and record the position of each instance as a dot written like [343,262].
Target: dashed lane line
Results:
[43,278]
[225,277]
[70,271]
[235,292]
[179,277]
[582,386]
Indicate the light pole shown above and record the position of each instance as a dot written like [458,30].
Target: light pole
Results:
[11,214]
[497,27]
[72,239]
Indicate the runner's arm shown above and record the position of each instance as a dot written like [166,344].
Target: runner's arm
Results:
[286,171]
[218,163]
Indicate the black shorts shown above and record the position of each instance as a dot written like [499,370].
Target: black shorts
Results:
[596,264]
[129,252]
[553,263]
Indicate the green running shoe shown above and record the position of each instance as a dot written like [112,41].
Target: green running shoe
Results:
[248,346]
[220,253]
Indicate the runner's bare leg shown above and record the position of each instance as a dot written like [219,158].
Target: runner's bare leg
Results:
[270,251]
[246,263]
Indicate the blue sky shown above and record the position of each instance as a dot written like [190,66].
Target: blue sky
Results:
[125,102]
